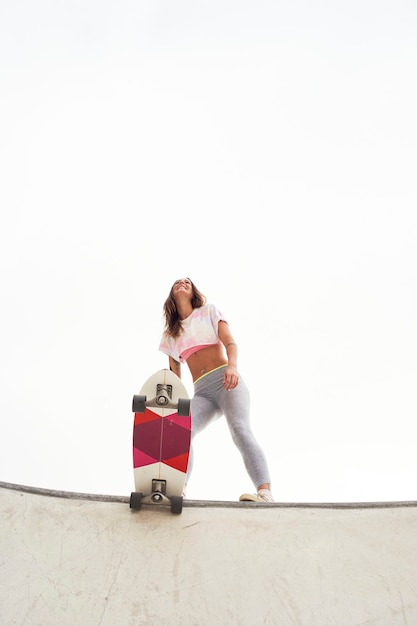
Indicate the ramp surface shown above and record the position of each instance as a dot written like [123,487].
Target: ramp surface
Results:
[79,559]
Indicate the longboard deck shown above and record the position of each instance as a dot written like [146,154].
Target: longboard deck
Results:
[161,442]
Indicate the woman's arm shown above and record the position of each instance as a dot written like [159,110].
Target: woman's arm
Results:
[231,377]
[175,366]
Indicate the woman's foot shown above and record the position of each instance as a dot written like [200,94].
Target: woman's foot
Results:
[263,495]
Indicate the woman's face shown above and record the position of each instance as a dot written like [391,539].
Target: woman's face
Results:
[182,286]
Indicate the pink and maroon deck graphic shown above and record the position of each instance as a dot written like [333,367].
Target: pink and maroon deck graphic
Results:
[161,439]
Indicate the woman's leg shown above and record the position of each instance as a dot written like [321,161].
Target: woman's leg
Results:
[236,404]
[203,411]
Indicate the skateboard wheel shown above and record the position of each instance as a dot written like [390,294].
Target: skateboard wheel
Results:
[183,407]
[176,504]
[138,404]
[135,500]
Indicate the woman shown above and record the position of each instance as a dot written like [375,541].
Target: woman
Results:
[197,333]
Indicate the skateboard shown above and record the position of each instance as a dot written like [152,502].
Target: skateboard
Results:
[161,441]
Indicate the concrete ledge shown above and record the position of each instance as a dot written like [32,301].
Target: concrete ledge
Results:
[74,558]
[74,495]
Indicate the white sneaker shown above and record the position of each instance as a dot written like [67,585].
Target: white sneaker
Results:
[263,495]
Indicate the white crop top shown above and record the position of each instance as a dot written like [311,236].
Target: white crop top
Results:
[198,329]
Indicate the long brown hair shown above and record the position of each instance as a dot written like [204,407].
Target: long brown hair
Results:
[173,324]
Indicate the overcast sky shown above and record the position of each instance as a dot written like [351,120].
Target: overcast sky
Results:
[265,149]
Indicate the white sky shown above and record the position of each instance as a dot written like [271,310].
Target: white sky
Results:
[265,149]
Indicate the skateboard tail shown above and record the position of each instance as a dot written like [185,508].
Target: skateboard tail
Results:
[147,474]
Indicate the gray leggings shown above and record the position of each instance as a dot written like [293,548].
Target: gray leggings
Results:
[210,401]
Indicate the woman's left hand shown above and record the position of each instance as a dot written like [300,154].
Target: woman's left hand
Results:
[231,378]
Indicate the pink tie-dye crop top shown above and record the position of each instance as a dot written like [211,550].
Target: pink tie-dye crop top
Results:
[199,330]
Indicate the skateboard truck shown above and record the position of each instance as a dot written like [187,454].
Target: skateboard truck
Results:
[159,488]
[163,398]
[163,395]
[158,496]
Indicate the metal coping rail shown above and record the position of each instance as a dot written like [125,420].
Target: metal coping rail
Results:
[74,495]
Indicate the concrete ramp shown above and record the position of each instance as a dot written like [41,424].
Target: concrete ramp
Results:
[82,560]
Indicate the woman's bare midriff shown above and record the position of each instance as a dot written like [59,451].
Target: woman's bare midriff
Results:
[205,360]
